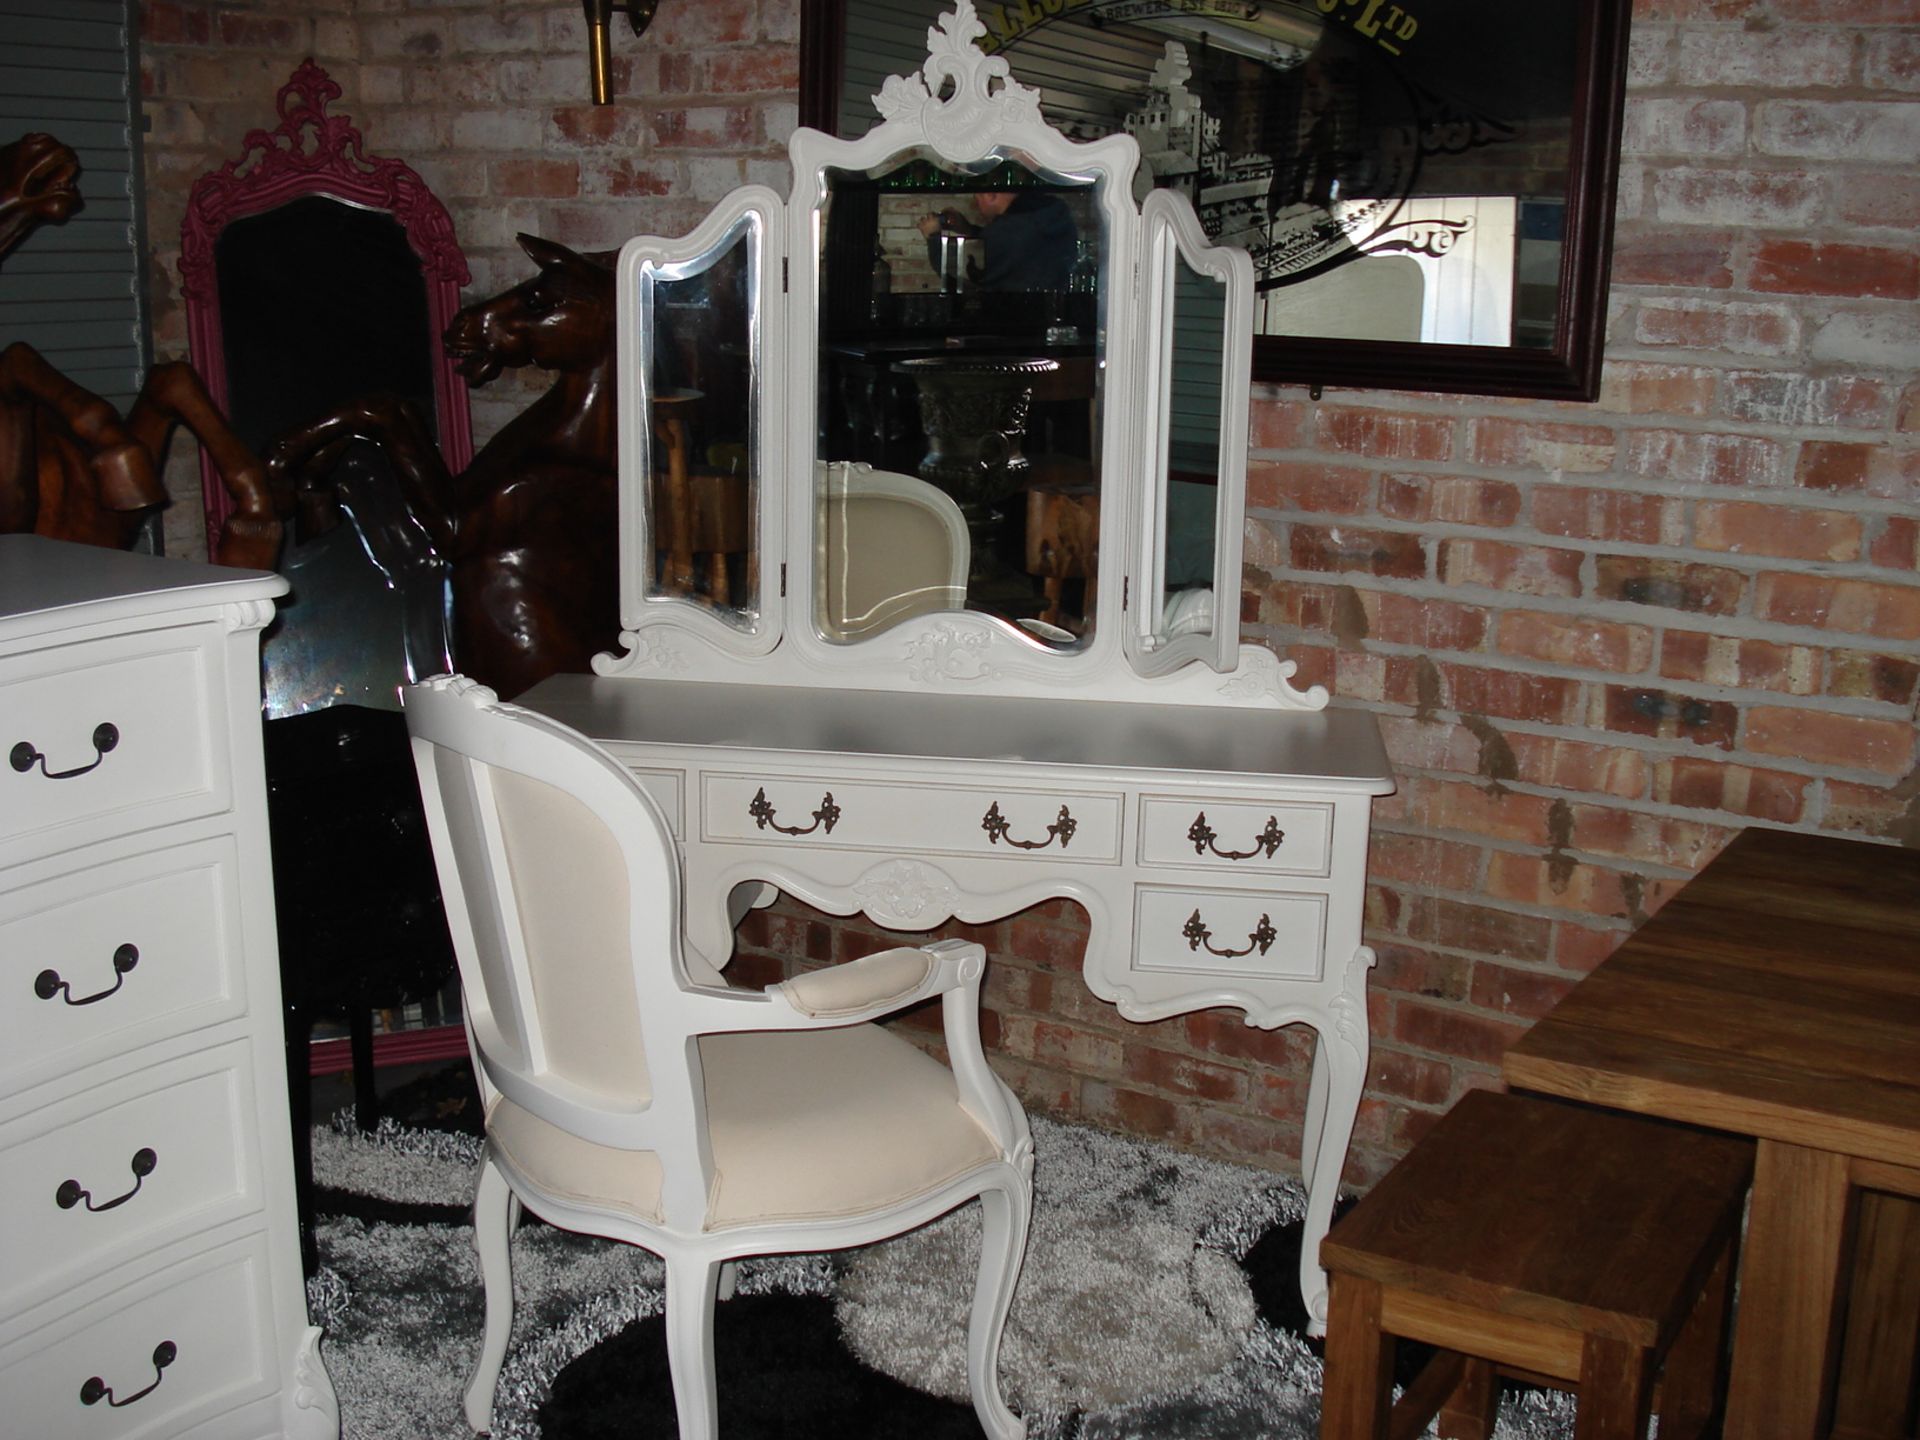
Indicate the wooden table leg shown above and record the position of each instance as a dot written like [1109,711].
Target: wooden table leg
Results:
[1786,1336]
[1616,1390]
[1358,1393]
[1883,1322]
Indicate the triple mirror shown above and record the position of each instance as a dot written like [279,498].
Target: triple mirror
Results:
[961,411]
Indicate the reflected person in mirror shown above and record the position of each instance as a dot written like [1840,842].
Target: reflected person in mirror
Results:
[1028,237]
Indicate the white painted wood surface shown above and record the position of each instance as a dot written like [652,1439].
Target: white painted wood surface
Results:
[140,1012]
[895,792]
[1210,817]
[719,1137]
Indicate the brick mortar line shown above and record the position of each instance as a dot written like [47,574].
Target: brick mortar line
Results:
[1735,626]
[1823,701]
[1789,497]
[1647,744]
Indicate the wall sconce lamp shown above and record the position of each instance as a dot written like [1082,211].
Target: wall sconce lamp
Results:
[639,14]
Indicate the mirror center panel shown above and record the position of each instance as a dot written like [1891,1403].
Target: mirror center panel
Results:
[961,328]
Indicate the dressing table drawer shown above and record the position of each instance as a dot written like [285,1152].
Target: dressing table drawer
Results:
[914,818]
[1292,838]
[99,960]
[106,736]
[1265,934]
[111,1174]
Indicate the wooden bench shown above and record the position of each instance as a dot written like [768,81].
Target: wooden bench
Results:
[1570,1246]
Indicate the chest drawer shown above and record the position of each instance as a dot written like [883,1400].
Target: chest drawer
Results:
[98,960]
[1292,838]
[1261,934]
[107,736]
[113,1173]
[913,818]
[154,1358]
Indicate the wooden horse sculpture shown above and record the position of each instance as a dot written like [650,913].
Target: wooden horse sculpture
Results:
[529,529]
[70,467]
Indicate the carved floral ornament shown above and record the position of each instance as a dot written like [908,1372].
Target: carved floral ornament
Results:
[963,97]
[309,152]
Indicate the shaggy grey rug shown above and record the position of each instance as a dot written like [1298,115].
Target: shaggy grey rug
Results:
[1135,1318]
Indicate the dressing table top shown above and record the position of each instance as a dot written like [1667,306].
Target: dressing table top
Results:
[1326,749]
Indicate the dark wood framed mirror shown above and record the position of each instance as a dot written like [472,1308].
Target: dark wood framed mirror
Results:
[1427,189]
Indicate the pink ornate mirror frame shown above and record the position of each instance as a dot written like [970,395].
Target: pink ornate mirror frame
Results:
[332,164]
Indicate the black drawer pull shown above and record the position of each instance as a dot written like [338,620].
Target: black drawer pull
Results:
[48,983]
[95,1390]
[996,826]
[71,1192]
[1265,843]
[1260,938]
[825,818]
[25,756]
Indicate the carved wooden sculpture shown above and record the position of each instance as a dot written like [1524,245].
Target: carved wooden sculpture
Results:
[70,467]
[529,527]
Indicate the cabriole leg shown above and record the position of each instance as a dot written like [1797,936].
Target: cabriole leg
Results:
[1005,1211]
[494,1210]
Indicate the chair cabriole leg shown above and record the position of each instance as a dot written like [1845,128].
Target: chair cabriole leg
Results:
[494,1210]
[692,1283]
[1005,1212]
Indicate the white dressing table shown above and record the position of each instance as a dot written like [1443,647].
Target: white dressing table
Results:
[866,716]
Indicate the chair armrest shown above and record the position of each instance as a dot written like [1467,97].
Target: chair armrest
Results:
[865,989]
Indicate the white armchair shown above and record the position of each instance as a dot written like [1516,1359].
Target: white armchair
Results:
[627,1098]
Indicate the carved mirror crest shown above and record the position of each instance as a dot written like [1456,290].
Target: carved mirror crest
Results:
[312,273]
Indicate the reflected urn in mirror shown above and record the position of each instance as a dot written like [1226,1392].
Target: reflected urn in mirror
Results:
[974,410]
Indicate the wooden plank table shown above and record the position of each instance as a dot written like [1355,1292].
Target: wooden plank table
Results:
[1778,996]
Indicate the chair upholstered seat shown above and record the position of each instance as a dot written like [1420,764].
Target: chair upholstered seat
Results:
[633,1094]
[805,1125]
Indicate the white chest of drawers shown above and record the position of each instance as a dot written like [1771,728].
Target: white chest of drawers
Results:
[149,1259]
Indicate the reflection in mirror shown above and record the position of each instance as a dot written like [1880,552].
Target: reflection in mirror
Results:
[1189,502]
[701,395]
[887,547]
[1400,179]
[961,324]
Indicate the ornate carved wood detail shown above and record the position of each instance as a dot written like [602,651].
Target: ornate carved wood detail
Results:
[312,152]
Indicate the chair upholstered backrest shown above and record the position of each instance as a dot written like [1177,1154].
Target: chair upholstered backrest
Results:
[562,895]
[890,547]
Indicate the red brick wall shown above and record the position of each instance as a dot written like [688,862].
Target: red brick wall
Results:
[1599,638]
[487,99]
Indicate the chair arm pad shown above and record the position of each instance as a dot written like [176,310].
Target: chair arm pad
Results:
[873,982]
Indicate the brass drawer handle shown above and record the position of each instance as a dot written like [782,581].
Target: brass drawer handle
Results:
[824,819]
[95,1390]
[24,756]
[72,1192]
[48,983]
[1265,843]
[1260,938]
[996,826]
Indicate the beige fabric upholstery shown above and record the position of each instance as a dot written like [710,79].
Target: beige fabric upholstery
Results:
[570,882]
[622,1182]
[804,1125]
[859,984]
[890,547]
